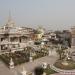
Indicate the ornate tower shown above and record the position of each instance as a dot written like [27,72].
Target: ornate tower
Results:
[10,23]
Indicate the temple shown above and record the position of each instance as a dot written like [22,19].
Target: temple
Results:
[13,37]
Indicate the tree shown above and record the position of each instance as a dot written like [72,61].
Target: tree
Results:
[60,52]
[38,71]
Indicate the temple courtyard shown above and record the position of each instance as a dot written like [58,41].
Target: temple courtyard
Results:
[30,66]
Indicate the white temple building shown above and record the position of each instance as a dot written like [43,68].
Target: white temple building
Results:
[13,37]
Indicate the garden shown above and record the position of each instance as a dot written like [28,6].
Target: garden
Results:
[20,57]
[41,53]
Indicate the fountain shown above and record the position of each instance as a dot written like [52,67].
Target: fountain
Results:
[65,61]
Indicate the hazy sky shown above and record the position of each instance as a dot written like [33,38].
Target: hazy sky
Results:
[52,14]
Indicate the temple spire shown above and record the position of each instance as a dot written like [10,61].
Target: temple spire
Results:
[9,17]
[10,23]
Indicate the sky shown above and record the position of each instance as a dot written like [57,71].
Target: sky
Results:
[51,14]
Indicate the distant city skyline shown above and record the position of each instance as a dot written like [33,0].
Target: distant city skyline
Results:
[51,14]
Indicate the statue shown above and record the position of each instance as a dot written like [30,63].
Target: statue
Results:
[44,65]
[31,59]
[24,72]
[11,64]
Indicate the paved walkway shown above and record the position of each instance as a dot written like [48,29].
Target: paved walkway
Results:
[4,70]
[30,66]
